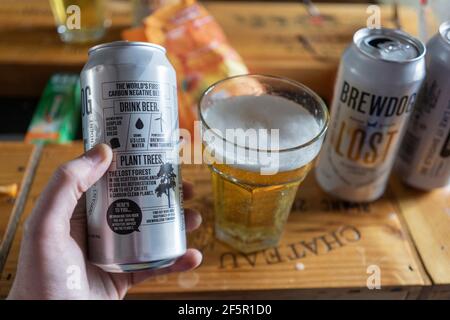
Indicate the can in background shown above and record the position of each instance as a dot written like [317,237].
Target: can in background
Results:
[375,91]
[134,212]
[424,158]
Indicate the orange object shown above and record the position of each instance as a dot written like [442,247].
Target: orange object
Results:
[197,48]
[134,34]
[9,190]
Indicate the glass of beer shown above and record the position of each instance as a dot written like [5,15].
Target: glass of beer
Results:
[80,21]
[260,137]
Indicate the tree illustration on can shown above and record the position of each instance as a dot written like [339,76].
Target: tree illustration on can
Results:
[167,182]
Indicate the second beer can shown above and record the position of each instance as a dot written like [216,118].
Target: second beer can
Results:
[375,92]
[134,212]
[424,159]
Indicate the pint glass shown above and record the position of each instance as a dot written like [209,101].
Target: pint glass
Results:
[79,21]
[260,137]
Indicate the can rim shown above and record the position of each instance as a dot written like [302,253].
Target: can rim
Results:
[125,43]
[444,31]
[390,32]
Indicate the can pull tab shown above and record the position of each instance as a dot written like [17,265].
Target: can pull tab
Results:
[392,50]
[379,42]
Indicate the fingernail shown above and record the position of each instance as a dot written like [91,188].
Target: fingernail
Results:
[198,219]
[97,154]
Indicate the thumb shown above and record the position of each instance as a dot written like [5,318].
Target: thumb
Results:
[58,200]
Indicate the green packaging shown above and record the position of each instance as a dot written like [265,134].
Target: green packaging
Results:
[57,115]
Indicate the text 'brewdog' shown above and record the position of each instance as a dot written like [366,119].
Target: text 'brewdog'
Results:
[375,92]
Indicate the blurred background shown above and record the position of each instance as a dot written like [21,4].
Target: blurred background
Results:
[299,39]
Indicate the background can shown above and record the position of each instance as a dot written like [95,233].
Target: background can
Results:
[424,158]
[135,213]
[375,91]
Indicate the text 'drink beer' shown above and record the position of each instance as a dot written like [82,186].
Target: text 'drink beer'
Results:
[135,213]
[375,92]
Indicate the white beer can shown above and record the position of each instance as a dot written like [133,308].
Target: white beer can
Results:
[378,80]
[424,158]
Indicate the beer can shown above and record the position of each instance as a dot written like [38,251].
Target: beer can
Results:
[376,88]
[424,158]
[134,212]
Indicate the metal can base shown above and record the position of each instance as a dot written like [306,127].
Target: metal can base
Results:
[133,267]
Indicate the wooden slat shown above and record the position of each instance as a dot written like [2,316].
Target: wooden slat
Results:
[269,37]
[372,235]
[275,38]
[52,156]
[335,270]
[427,215]
[14,157]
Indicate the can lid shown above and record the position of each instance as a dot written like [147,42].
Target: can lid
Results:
[116,44]
[444,30]
[389,45]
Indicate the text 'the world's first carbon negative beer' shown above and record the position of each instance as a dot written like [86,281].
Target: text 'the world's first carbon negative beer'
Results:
[135,213]
[424,159]
[375,92]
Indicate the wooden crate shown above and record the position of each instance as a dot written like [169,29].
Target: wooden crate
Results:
[325,251]
[427,215]
[276,38]
[14,158]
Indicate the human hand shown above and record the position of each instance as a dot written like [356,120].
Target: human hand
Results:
[55,239]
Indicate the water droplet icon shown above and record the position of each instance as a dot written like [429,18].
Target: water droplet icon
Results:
[139,124]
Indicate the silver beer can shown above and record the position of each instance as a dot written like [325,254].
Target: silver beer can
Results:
[134,212]
[376,88]
[424,158]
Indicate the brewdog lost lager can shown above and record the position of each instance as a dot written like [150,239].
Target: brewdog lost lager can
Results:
[375,92]
[134,212]
[424,159]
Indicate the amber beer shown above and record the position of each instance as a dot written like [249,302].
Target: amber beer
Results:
[80,20]
[375,93]
[252,204]
[251,209]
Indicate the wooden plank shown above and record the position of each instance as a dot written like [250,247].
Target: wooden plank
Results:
[275,38]
[14,157]
[327,245]
[19,202]
[427,215]
[386,293]
[325,251]
[32,51]
[52,156]
[281,39]
[438,293]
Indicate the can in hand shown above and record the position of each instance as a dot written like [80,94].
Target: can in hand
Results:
[135,211]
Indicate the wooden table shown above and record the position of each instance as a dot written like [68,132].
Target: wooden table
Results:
[13,163]
[276,38]
[328,250]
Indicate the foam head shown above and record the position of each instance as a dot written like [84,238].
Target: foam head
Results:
[265,124]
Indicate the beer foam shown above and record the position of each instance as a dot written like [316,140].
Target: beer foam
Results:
[295,123]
